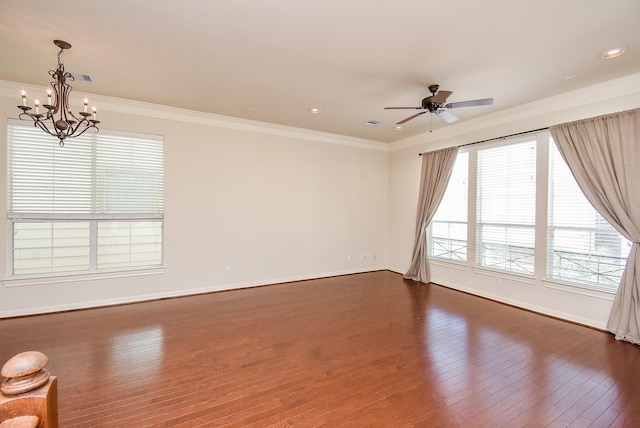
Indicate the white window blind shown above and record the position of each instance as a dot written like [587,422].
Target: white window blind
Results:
[506,201]
[43,180]
[129,175]
[96,203]
[448,229]
[582,246]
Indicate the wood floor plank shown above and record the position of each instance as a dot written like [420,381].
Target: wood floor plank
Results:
[365,350]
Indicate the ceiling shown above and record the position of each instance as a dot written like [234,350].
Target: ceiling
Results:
[273,60]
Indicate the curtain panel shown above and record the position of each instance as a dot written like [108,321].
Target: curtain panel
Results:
[603,154]
[434,177]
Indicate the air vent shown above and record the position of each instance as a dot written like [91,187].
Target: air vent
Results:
[80,77]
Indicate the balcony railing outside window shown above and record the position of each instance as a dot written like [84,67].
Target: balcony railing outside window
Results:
[448,240]
[593,256]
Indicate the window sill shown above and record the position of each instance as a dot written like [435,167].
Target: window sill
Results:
[23,281]
[448,263]
[530,280]
[585,290]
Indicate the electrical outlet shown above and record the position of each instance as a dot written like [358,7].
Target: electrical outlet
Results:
[227,270]
[497,280]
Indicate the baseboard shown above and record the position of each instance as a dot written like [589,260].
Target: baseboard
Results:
[529,307]
[173,294]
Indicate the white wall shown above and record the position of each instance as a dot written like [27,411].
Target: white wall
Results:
[271,203]
[575,304]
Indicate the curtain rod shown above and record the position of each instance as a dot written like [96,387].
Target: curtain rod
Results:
[500,138]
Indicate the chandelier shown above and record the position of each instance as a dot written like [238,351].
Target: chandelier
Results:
[55,117]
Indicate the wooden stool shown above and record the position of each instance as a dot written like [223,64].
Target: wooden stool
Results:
[29,395]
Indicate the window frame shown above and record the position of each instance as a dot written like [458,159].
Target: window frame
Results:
[92,218]
[541,274]
[509,225]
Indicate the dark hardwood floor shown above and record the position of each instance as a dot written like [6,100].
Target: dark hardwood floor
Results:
[366,350]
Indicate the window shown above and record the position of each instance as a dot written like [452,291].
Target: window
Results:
[506,207]
[448,228]
[582,246]
[92,205]
[574,244]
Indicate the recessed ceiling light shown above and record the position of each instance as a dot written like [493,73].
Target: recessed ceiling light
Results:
[314,110]
[397,127]
[613,53]
[570,76]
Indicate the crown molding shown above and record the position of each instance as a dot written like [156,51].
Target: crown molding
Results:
[485,125]
[537,113]
[12,89]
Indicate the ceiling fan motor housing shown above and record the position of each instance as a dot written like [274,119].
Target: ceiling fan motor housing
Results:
[428,105]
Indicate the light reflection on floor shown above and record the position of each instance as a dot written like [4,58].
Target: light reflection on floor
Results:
[473,377]
[138,353]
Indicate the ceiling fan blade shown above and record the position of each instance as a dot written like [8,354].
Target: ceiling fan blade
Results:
[411,117]
[471,103]
[446,116]
[402,108]
[439,98]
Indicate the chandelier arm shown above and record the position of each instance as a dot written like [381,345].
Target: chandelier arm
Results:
[25,113]
[44,127]
[93,125]
[74,126]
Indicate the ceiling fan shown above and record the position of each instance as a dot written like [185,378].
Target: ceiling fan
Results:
[437,105]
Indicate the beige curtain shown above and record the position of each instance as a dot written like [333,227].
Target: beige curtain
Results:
[436,171]
[603,154]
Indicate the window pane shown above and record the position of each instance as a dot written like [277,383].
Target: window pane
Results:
[448,228]
[582,246]
[129,243]
[506,205]
[50,247]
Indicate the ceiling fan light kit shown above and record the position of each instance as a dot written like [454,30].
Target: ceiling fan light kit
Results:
[437,104]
